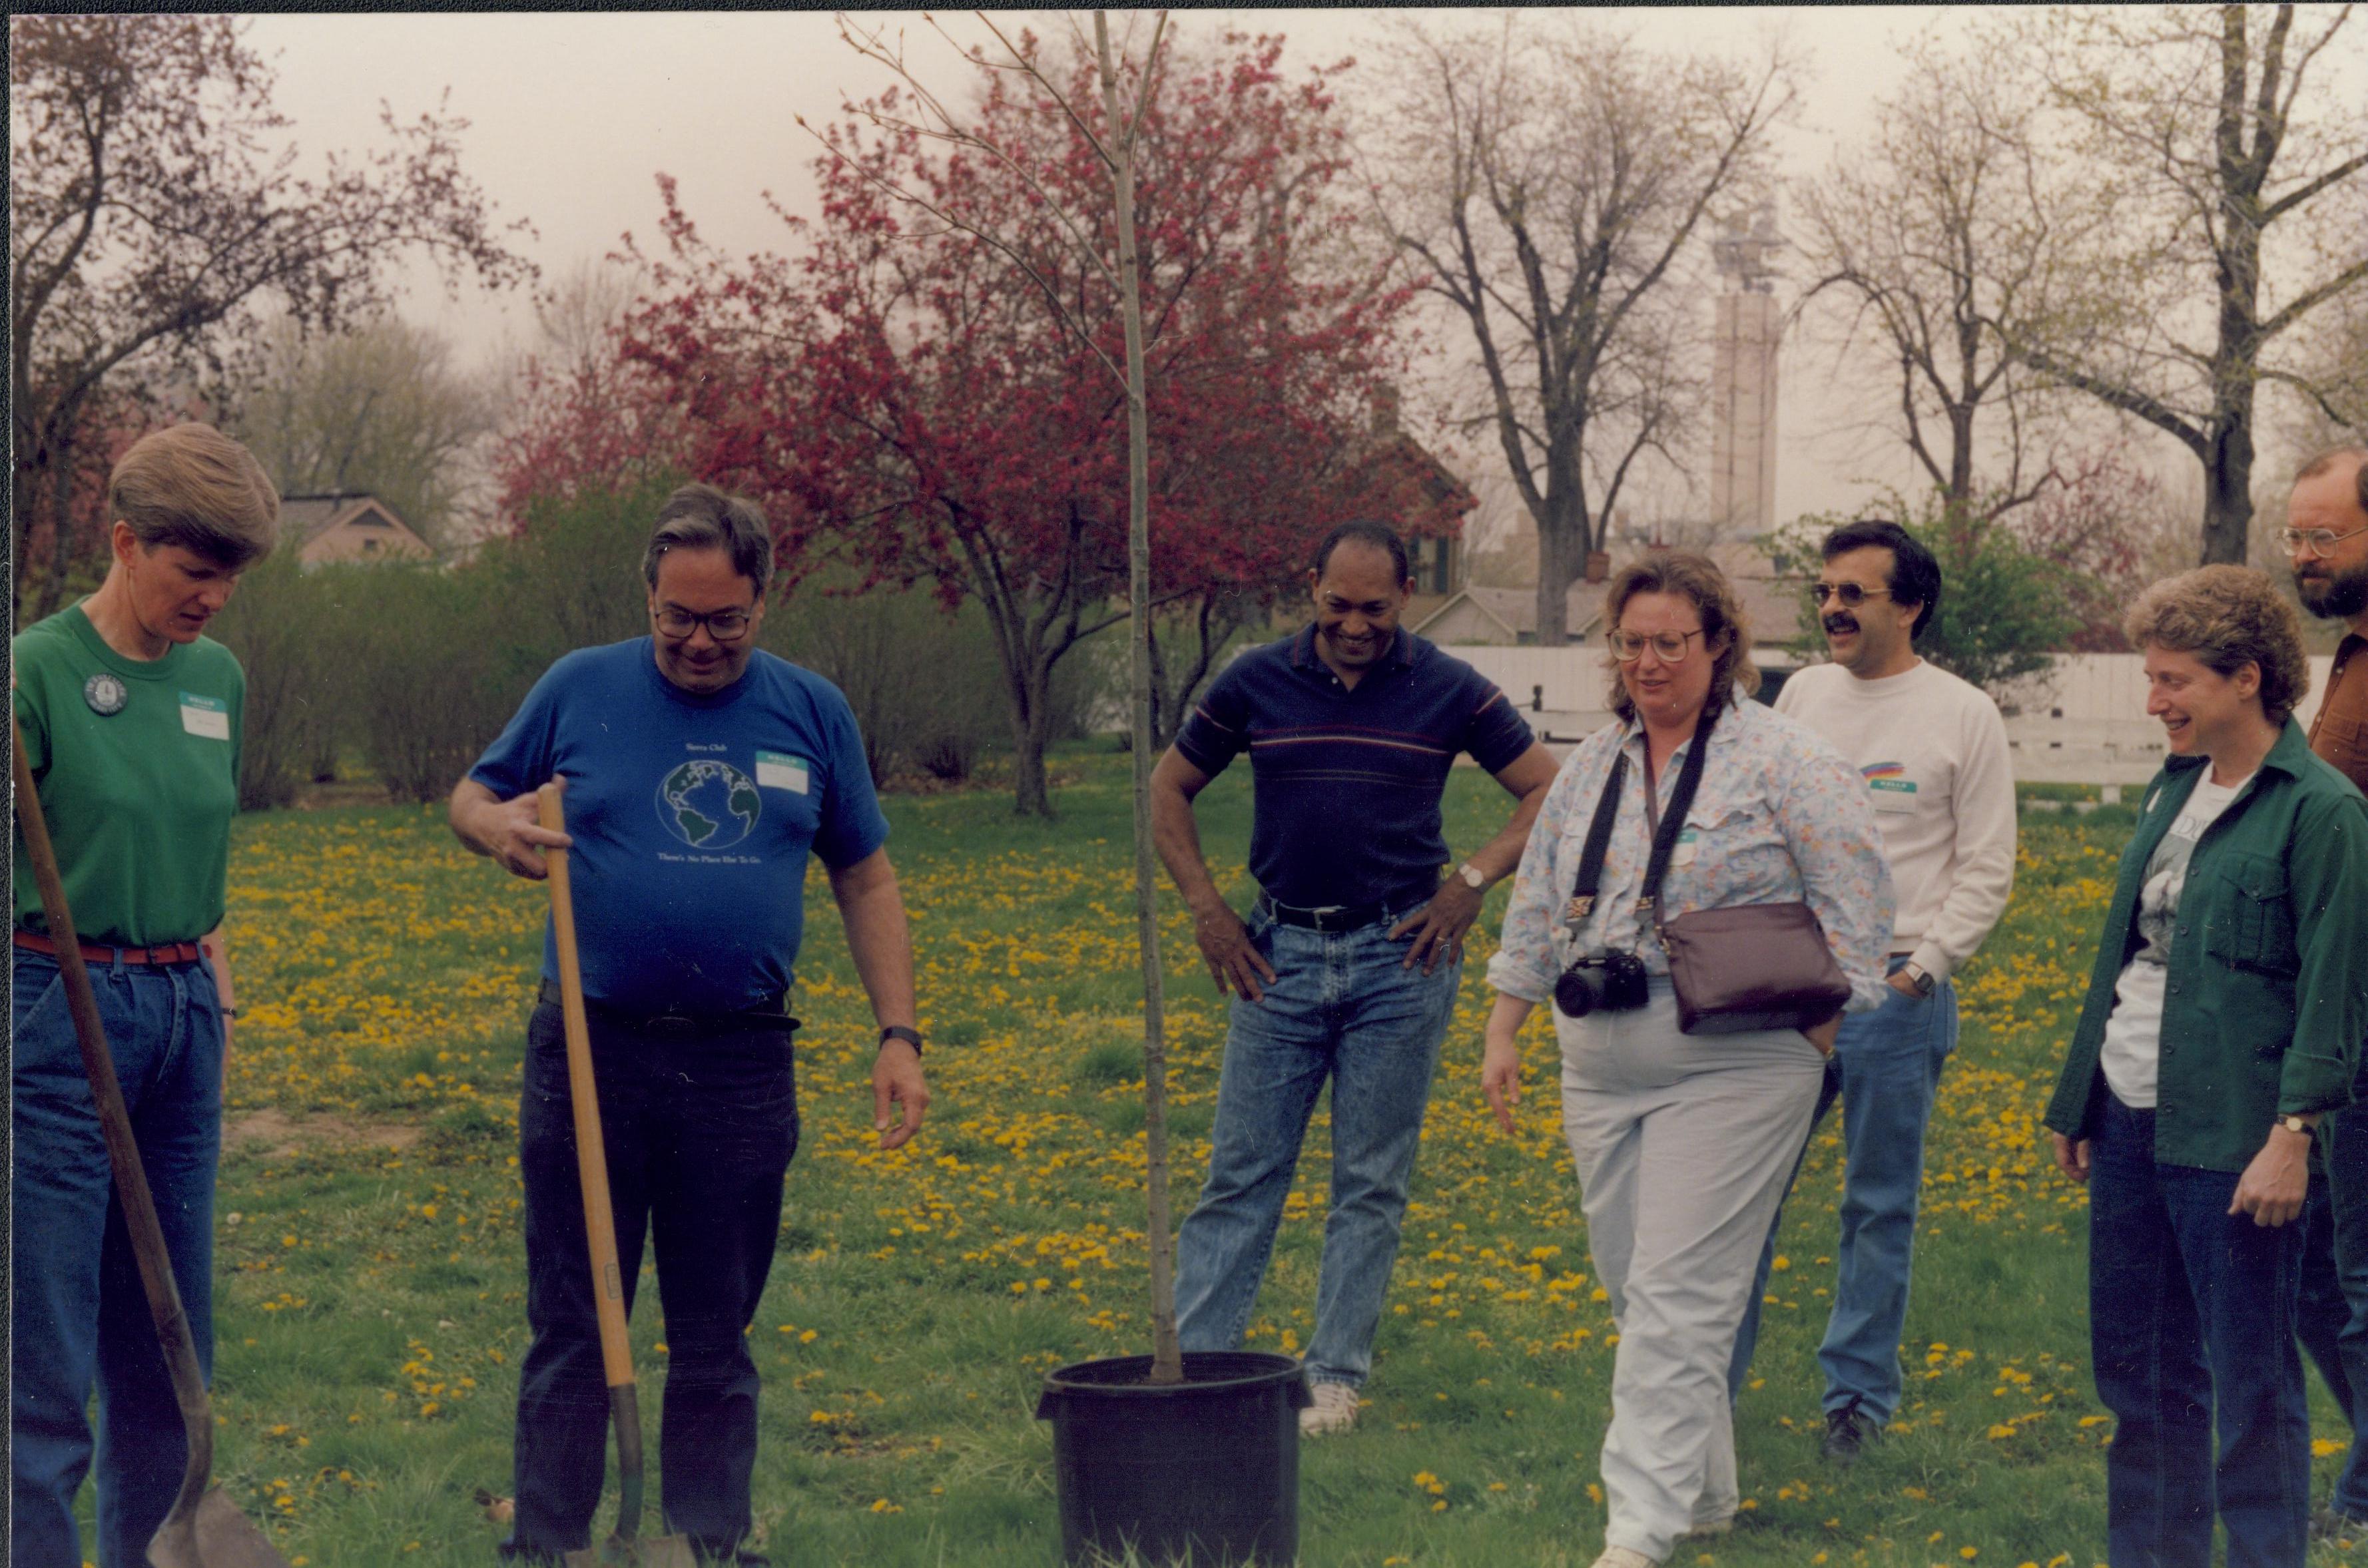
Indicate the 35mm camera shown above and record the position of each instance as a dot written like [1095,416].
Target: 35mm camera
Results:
[1610,983]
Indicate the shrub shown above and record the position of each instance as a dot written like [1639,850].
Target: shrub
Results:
[924,683]
[572,578]
[285,627]
[434,676]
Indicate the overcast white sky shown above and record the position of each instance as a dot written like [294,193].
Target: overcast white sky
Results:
[574,113]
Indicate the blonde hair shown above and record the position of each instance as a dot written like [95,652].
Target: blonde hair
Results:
[1697,580]
[193,486]
[2228,617]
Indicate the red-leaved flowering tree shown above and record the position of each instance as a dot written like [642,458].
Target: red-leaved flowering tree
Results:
[935,400]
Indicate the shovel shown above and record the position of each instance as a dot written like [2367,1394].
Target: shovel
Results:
[600,1229]
[205,1529]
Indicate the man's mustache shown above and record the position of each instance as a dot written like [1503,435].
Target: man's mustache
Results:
[1836,624]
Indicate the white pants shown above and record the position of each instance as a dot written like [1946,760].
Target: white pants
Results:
[1683,1144]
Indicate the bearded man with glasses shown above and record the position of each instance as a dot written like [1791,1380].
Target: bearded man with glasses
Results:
[1933,751]
[2326,539]
[700,773]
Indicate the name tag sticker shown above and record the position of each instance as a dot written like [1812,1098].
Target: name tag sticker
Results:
[205,716]
[776,770]
[1689,840]
[1889,788]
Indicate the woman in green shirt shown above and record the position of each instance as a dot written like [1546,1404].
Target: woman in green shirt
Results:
[2223,1016]
[129,719]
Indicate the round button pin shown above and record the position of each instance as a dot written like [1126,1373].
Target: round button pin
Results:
[106,694]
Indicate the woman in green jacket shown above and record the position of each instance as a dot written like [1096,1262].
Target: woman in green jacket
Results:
[2224,1014]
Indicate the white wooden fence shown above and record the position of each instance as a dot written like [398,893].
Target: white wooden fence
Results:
[2083,722]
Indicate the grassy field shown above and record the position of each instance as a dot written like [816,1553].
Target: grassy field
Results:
[371,1314]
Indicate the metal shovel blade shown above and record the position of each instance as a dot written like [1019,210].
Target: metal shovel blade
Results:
[214,1535]
[636,1552]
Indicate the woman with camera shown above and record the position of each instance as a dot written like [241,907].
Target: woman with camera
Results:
[1703,896]
[2223,1016]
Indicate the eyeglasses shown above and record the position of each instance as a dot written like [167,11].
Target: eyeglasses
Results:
[1850,595]
[1667,646]
[723,625]
[2322,541]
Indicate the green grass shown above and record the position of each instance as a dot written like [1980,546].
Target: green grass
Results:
[370,1313]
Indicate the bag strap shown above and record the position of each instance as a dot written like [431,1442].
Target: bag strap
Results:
[1599,843]
[1665,836]
[1681,800]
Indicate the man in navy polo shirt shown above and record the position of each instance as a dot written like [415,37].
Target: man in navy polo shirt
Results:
[700,773]
[1349,966]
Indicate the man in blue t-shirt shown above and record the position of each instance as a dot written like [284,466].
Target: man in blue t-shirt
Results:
[700,772]
[1349,967]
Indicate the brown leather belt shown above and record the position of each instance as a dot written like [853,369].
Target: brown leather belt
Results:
[159,957]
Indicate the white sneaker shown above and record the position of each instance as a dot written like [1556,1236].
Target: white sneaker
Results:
[1723,1524]
[1624,1557]
[1335,1409]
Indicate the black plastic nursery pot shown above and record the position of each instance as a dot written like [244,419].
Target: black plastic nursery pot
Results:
[1204,1472]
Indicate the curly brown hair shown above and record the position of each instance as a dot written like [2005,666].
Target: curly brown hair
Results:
[1696,579]
[2228,617]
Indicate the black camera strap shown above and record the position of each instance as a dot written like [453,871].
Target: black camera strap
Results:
[1665,829]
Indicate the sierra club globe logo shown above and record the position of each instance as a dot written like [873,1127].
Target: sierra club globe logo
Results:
[709,803]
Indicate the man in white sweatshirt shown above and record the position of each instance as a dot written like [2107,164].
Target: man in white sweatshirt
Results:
[1934,753]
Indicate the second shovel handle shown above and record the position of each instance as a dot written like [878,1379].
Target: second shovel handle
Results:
[591,1152]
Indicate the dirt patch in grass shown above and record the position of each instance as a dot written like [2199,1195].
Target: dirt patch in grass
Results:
[336,793]
[276,1133]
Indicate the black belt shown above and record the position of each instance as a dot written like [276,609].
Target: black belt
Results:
[772,1013]
[1334,917]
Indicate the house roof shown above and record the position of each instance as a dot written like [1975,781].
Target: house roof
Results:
[1768,600]
[1516,609]
[309,517]
[1771,603]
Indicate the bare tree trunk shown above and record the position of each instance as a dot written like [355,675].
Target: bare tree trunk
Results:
[1563,543]
[2228,487]
[1166,1355]
[1032,723]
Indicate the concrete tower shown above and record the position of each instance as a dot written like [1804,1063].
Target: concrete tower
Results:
[1743,378]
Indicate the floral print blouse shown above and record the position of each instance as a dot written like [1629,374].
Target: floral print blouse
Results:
[1779,817]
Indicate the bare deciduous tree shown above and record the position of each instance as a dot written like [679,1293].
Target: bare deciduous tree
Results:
[2225,161]
[380,408]
[1545,176]
[151,217]
[1927,239]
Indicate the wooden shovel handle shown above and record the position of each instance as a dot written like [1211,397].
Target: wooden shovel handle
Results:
[591,1153]
[130,1179]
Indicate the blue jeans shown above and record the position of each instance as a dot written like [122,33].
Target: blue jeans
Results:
[698,1125]
[2320,1310]
[2343,1264]
[1342,1006]
[80,1316]
[2192,1317]
[1885,1069]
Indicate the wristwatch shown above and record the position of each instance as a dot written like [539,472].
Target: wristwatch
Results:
[898,1031]
[1917,978]
[2296,1124]
[1472,876]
